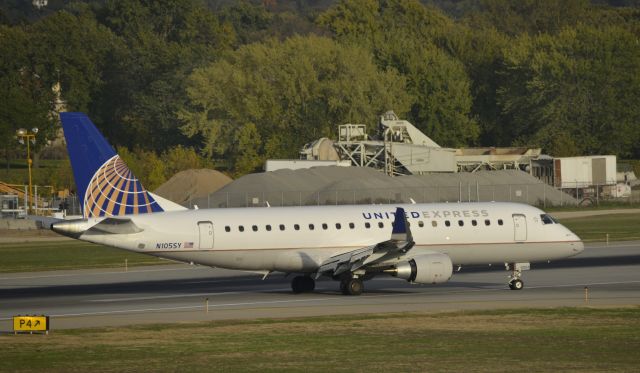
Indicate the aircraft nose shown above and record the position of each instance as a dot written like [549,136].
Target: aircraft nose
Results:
[577,247]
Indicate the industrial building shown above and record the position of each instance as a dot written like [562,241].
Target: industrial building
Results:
[399,148]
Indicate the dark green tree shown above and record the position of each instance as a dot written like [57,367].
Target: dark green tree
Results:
[415,40]
[580,86]
[279,95]
[161,42]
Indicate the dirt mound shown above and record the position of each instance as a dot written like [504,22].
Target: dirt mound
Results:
[188,185]
[360,185]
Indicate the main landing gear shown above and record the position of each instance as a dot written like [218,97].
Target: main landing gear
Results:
[348,285]
[515,281]
[302,284]
[351,286]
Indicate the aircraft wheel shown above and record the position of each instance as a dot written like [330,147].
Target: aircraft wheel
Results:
[297,284]
[353,286]
[516,284]
[309,284]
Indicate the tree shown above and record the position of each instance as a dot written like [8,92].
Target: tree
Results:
[266,100]
[582,84]
[415,40]
[180,158]
[528,16]
[71,49]
[25,97]
[161,42]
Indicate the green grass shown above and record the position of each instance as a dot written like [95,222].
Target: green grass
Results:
[620,227]
[54,255]
[603,205]
[566,339]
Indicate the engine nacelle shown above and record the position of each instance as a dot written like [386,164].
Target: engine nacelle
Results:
[433,268]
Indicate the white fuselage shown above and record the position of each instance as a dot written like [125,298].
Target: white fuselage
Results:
[299,239]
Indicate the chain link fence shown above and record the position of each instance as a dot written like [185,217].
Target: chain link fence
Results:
[538,194]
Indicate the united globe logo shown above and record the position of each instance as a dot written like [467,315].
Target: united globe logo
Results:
[114,190]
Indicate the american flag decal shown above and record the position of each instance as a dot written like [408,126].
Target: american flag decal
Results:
[188,245]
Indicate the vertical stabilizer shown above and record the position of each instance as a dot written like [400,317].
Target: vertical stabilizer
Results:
[104,183]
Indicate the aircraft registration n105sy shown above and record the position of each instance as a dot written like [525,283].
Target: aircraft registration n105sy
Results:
[419,243]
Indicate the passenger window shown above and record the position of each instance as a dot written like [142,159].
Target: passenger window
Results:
[447,223]
[367,225]
[255,228]
[487,222]
[474,222]
[324,226]
[227,228]
[338,226]
[420,224]
[296,227]
[460,223]
[281,227]
[380,224]
[241,228]
[351,225]
[434,223]
[268,226]
[499,221]
[311,227]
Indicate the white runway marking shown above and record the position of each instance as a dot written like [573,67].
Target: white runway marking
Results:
[339,298]
[183,296]
[583,284]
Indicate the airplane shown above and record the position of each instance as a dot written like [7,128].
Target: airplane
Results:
[420,243]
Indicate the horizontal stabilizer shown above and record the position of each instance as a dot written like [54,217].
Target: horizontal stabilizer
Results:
[115,226]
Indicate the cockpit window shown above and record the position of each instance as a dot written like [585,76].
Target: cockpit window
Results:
[547,219]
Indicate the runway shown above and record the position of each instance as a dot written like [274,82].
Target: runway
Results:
[183,293]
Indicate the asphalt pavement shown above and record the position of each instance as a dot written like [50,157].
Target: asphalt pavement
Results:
[184,293]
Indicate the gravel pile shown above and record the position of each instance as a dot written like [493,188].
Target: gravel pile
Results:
[192,184]
[359,185]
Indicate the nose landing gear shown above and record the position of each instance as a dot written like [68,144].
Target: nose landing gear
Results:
[516,284]
[515,281]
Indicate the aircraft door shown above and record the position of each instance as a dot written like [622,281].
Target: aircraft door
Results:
[519,227]
[206,235]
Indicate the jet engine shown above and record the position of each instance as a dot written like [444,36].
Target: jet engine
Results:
[434,268]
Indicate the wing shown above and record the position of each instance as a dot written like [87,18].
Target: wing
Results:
[401,241]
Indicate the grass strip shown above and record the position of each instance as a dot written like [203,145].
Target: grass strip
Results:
[619,227]
[563,339]
[55,255]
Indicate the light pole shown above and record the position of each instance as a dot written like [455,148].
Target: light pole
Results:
[28,137]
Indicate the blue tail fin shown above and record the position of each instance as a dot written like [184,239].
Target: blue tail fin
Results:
[104,183]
